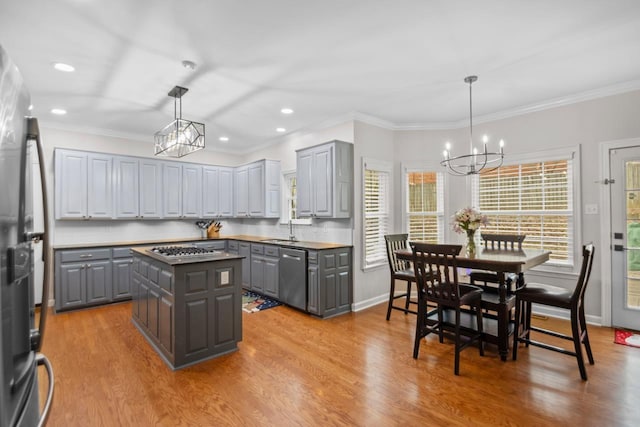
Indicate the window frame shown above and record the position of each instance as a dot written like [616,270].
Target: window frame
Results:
[385,167]
[286,196]
[442,194]
[568,153]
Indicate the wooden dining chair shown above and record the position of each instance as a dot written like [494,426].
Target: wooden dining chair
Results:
[502,242]
[437,279]
[400,270]
[554,296]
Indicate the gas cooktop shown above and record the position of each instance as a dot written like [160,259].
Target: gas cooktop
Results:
[182,251]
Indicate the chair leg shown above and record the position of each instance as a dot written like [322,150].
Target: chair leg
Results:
[456,367]
[391,295]
[516,328]
[575,329]
[420,326]
[406,303]
[527,321]
[440,323]
[585,339]
[480,328]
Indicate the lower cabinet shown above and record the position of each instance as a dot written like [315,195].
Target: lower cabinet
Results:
[83,278]
[265,274]
[329,282]
[121,264]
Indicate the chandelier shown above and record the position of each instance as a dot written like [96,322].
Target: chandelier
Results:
[474,162]
[179,137]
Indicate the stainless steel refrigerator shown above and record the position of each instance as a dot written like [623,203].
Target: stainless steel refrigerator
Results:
[20,337]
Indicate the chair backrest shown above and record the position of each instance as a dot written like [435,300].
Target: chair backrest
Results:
[585,273]
[496,241]
[395,242]
[436,272]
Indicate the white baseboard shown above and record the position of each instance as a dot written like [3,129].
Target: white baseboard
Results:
[359,306]
[563,314]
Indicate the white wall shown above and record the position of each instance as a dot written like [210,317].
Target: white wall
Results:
[586,124]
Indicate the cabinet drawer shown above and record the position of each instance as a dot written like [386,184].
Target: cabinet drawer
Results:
[272,250]
[312,257]
[233,245]
[212,245]
[85,255]
[257,249]
[122,253]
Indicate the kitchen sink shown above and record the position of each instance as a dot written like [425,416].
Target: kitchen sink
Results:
[280,241]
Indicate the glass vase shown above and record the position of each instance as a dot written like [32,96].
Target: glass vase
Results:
[471,243]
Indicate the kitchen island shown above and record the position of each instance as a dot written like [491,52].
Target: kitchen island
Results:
[187,305]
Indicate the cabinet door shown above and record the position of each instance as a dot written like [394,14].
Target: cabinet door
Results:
[210,191]
[313,290]
[244,249]
[241,191]
[100,186]
[165,324]
[150,194]
[257,273]
[323,181]
[122,278]
[126,187]
[72,292]
[191,191]
[225,192]
[70,184]
[256,190]
[152,310]
[135,295]
[271,277]
[98,282]
[172,184]
[303,183]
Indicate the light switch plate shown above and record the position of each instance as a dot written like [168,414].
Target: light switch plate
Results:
[224,277]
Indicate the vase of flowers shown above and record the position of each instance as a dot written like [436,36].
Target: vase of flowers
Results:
[468,220]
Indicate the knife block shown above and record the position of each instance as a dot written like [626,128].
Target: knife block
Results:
[212,233]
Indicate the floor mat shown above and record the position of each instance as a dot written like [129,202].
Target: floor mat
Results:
[252,302]
[629,338]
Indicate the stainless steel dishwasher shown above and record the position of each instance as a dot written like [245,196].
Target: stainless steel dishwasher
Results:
[293,277]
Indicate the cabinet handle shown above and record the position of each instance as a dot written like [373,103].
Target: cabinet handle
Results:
[86,256]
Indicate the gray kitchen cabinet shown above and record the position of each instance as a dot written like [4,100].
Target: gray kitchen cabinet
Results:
[151,189]
[83,185]
[257,189]
[191,191]
[257,267]
[324,180]
[244,249]
[241,191]
[122,264]
[225,192]
[172,185]
[217,194]
[329,286]
[127,178]
[272,271]
[83,278]
[215,245]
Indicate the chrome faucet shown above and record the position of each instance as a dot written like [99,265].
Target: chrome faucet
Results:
[291,235]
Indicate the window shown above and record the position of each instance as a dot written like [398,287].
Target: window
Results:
[536,199]
[424,205]
[289,210]
[376,212]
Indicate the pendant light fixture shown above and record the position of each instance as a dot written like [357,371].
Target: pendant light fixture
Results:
[180,137]
[474,162]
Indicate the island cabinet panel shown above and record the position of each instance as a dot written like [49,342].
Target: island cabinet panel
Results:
[193,311]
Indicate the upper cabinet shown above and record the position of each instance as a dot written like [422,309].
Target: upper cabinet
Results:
[217,194]
[257,189]
[191,191]
[150,194]
[324,180]
[83,185]
[127,179]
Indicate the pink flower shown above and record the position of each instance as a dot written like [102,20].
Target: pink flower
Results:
[468,219]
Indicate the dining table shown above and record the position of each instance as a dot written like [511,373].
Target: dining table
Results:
[507,264]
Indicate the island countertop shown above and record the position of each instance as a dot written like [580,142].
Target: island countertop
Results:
[191,259]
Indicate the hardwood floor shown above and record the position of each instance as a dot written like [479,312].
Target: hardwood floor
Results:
[356,369]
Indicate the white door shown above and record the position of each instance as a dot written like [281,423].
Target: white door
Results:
[625,234]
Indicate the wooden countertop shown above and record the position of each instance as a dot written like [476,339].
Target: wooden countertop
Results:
[239,237]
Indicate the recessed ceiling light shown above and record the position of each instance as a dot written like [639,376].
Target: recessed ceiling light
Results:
[58,111]
[286,111]
[189,65]
[60,66]
[224,138]
[281,130]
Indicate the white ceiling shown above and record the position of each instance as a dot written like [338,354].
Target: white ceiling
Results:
[398,62]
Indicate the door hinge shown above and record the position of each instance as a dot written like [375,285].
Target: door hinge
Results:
[608,181]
